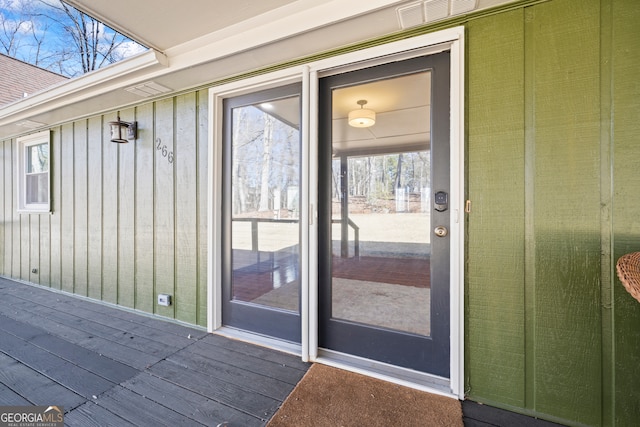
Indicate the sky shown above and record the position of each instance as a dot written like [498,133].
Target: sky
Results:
[41,33]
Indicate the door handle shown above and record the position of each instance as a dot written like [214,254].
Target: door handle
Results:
[441,231]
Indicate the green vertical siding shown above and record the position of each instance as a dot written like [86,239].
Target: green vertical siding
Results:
[126,222]
[202,165]
[126,218]
[165,249]
[496,227]
[566,210]
[184,161]
[80,200]
[67,210]
[5,202]
[553,154]
[625,135]
[110,205]
[56,164]
[94,207]
[144,201]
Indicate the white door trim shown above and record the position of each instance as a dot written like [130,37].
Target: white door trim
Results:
[450,39]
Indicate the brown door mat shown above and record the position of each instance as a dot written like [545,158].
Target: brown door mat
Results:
[327,396]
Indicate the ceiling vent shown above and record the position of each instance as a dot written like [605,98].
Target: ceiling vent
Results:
[436,10]
[410,15]
[30,124]
[421,12]
[462,6]
[148,89]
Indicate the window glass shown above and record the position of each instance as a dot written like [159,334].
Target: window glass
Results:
[38,158]
[265,203]
[33,167]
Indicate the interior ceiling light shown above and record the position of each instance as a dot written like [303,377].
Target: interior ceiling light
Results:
[362,118]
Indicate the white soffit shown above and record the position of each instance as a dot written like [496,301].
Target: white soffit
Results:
[165,24]
[162,24]
[205,40]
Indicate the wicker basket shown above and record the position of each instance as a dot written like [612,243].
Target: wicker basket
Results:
[628,268]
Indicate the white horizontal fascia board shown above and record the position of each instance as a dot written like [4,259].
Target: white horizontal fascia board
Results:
[433,42]
[83,87]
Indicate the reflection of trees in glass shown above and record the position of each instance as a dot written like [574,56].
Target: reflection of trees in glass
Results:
[37,169]
[38,159]
[265,159]
[377,177]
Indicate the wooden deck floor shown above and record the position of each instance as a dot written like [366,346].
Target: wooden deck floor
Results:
[111,367]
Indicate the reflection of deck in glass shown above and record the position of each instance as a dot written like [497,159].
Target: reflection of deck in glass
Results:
[266,258]
[389,292]
[258,273]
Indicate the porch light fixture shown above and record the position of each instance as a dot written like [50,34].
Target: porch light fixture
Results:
[122,132]
[362,118]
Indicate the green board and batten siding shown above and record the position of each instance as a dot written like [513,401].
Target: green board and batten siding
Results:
[128,221]
[553,172]
[553,156]
[624,221]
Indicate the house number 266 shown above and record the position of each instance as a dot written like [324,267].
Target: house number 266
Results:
[163,149]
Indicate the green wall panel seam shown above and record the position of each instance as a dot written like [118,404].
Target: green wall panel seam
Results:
[174,300]
[198,200]
[135,218]
[606,230]
[102,210]
[154,239]
[529,173]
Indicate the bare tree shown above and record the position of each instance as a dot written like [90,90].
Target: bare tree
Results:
[55,36]
[267,144]
[10,29]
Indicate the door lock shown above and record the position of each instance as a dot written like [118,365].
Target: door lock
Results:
[441,231]
[441,201]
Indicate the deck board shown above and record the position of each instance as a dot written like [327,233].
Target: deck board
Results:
[228,393]
[92,415]
[112,367]
[245,362]
[59,370]
[189,403]
[98,364]
[102,330]
[139,410]
[259,352]
[34,386]
[138,359]
[10,398]
[262,384]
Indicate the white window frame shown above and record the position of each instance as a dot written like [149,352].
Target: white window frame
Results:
[24,143]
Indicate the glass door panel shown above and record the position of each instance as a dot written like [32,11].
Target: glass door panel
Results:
[381,240]
[384,156]
[262,205]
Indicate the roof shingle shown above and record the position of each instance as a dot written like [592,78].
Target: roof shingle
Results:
[18,78]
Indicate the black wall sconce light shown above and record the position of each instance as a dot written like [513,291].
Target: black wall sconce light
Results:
[123,131]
